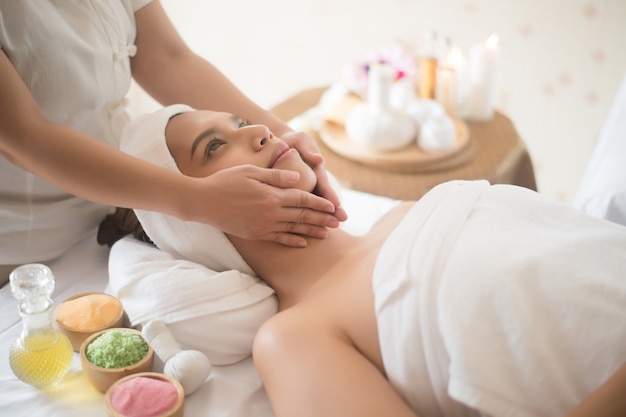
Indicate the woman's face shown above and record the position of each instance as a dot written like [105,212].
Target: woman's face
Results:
[204,142]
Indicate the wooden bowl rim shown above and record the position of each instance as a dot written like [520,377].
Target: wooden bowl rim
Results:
[155,375]
[117,323]
[86,362]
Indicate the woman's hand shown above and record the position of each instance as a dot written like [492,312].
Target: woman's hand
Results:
[310,152]
[259,203]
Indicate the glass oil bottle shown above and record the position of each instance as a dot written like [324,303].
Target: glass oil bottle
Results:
[41,355]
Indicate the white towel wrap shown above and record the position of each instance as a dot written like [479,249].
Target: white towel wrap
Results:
[499,300]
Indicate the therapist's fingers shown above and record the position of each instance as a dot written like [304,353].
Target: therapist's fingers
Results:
[306,146]
[296,237]
[310,152]
[306,208]
[295,224]
[294,232]
[326,190]
[290,197]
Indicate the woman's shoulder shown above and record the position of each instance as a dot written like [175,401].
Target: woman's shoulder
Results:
[392,218]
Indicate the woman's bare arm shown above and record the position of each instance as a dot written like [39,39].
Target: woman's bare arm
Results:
[607,401]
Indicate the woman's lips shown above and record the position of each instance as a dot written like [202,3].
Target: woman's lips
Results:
[281,149]
[284,155]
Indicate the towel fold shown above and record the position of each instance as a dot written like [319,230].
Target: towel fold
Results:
[217,313]
[405,282]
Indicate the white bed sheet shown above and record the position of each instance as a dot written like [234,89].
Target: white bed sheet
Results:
[233,391]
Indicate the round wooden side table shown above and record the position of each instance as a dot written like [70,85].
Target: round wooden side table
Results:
[498,155]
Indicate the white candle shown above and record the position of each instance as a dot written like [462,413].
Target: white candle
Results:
[481,79]
[446,90]
[457,61]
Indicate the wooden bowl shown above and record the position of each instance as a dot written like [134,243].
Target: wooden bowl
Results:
[178,410]
[78,336]
[103,378]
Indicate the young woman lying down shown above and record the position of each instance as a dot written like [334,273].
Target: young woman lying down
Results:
[475,300]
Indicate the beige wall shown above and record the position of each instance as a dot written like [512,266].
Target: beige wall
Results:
[561,60]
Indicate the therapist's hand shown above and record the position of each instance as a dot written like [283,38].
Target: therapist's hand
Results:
[260,204]
[310,153]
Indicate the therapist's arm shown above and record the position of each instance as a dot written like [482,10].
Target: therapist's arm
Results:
[171,73]
[83,166]
[78,163]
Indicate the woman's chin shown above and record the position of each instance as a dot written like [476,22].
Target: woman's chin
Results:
[308,179]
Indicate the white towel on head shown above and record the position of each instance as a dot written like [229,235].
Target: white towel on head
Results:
[144,138]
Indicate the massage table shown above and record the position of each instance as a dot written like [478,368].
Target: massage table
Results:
[233,390]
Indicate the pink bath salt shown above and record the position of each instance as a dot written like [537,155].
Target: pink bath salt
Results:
[143,397]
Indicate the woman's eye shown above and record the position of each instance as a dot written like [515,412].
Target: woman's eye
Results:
[244,123]
[212,146]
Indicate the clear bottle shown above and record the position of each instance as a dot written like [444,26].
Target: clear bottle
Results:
[42,355]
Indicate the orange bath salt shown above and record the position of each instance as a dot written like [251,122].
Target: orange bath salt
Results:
[88,312]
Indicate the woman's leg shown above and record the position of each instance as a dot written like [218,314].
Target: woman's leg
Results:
[310,368]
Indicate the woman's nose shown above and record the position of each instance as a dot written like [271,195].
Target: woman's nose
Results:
[259,136]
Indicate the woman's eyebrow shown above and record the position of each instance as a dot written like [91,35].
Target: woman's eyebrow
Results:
[234,119]
[207,133]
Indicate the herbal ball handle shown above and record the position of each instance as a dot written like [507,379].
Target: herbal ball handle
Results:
[190,367]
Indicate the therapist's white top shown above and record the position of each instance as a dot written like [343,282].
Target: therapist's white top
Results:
[74,58]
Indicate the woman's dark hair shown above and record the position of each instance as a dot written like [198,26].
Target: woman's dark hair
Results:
[119,224]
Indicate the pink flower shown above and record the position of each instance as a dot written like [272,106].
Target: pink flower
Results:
[355,75]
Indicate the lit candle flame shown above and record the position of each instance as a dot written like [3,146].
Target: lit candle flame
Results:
[455,57]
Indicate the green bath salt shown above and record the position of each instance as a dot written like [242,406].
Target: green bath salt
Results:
[116,349]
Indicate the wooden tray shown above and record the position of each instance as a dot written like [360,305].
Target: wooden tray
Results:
[409,159]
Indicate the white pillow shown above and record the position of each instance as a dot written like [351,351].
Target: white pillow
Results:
[217,313]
